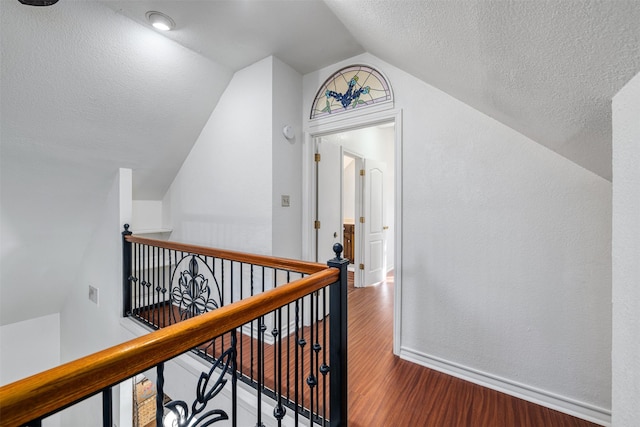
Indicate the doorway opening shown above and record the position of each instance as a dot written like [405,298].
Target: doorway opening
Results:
[355,199]
[317,200]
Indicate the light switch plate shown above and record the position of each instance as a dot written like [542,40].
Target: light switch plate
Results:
[93,294]
[285,201]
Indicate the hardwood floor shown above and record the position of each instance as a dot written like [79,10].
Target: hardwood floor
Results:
[387,391]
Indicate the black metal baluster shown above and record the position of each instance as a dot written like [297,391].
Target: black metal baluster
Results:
[279,410]
[275,333]
[211,345]
[234,379]
[232,287]
[164,288]
[146,283]
[311,379]
[133,278]
[288,344]
[241,296]
[324,368]
[338,342]
[251,285]
[150,290]
[296,366]
[143,280]
[316,349]
[222,296]
[154,290]
[158,288]
[107,408]
[139,274]
[302,343]
[173,272]
[126,272]
[160,395]
[223,281]
[262,329]
[193,291]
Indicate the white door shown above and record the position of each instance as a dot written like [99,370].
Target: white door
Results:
[329,199]
[374,243]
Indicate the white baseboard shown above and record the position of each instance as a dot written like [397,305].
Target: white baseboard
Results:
[545,398]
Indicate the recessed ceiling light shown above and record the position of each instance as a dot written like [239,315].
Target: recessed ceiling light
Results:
[160,21]
[38,2]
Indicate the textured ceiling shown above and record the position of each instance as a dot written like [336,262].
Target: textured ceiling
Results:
[88,87]
[236,33]
[548,69]
[84,91]
[545,68]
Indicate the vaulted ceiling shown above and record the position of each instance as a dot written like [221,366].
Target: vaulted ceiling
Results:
[88,86]
[547,69]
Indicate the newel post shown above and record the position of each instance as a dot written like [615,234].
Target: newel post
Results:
[338,341]
[126,272]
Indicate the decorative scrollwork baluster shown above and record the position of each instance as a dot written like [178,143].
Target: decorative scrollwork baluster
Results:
[192,293]
[204,393]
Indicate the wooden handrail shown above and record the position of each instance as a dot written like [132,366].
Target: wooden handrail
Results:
[262,260]
[49,391]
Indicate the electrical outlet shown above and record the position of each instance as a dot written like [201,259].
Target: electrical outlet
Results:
[285,201]
[93,294]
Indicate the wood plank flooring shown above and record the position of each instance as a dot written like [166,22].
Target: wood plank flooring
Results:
[387,391]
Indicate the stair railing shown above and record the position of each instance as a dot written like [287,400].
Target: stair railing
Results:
[307,350]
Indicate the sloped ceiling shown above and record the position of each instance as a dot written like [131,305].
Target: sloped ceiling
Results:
[88,87]
[84,91]
[547,69]
[303,33]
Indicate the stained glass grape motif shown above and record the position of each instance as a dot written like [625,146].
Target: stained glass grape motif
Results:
[356,86]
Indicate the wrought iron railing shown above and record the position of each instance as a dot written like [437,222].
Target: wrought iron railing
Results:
[275,324]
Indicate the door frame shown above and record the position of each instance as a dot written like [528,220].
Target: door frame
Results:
[358,212]
[315,130]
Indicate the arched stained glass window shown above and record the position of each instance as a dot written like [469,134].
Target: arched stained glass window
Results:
[352,88]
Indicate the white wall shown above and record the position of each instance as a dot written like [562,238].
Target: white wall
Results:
[147,216]
[85,90]
[286,155]
[626,255]
[85,326]
[506,253]
[349,190]
[222,195]
[29,347]
[228,191]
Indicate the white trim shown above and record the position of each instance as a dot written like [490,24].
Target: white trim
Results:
[307,201]
[317,129]
[358,275]
[382,106]
[397,246]
[529,393]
